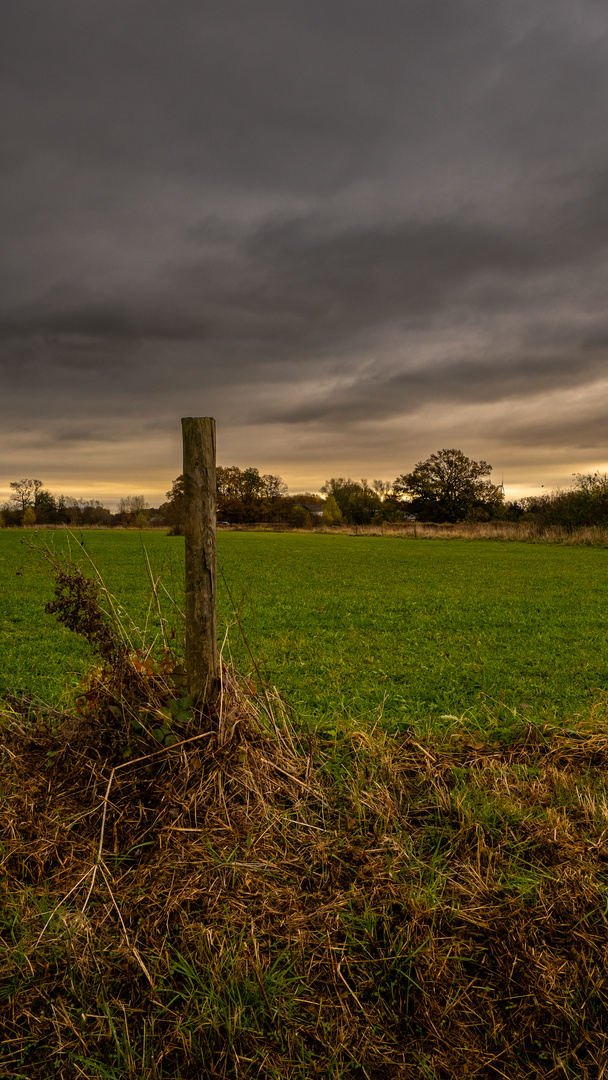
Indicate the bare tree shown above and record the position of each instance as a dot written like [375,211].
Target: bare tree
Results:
[132,504]
[25,492]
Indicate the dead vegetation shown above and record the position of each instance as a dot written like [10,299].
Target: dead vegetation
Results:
[529,532]
[191,895]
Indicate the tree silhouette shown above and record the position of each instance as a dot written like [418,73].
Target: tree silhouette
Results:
[449,486]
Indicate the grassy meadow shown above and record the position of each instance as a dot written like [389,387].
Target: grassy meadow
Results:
[418,889]
[348,628]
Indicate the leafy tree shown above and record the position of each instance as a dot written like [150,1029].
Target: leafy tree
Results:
[29,517]
[332,514]
[52,509]
[293,513]
[591,497]
[586,503]
[357,501]
[243,495]
[45,506]
[449,486]
[246,495]
[95,513]
[69,510]
[171,512]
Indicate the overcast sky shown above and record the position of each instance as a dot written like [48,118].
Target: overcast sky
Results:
[354,231]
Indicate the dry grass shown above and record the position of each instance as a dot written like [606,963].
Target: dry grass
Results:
[247,902]
[589,536]
[593,535]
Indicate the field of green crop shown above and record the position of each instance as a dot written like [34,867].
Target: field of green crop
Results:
[350,627]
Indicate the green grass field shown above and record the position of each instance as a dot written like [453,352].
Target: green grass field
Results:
[351,628]
[249,899]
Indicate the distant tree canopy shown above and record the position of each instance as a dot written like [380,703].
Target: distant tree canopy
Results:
[244,496]
[31,503]
[332,514]
[584,504]
[247,495]
[449,486]
[133,510]
[171,512]
[132,504]
[357,501]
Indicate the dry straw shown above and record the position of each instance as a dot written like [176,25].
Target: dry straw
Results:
[529,532]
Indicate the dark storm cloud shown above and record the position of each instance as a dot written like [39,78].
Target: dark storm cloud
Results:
[75,434]
[465,383]
[291,92]
[105,321]
[294,290]
[301,212]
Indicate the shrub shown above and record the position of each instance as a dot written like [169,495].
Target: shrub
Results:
[332,514]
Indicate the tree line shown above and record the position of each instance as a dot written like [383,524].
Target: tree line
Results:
[32,504]
[246,496]
[585,503]
[447,487]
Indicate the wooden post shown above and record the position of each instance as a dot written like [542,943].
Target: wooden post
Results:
[202,662]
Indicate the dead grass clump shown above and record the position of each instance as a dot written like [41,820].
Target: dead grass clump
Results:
[247,902]
[586,536]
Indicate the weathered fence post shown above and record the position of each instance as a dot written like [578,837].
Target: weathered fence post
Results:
[202,662]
